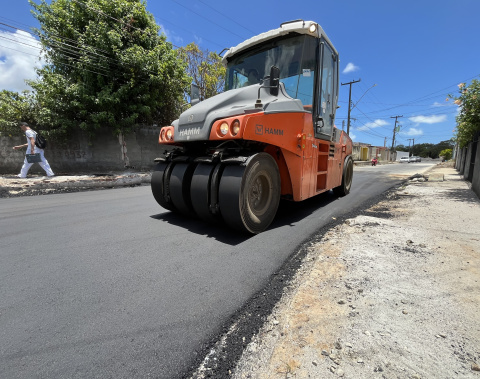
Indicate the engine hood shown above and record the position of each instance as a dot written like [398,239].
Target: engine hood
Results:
[195,123]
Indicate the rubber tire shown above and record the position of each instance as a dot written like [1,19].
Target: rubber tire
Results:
[249,195]
[179,185]
[158,186]
[347,178]
[200,191]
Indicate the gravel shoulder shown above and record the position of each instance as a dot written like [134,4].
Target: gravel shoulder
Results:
[391,293]
[33,185]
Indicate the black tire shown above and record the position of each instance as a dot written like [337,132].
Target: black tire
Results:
[179,187]
[347,177]
[249,195]
[200,191]
[159,189]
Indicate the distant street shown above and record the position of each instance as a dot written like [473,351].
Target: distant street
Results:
[106,284]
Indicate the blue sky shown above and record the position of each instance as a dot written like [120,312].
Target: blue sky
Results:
[408,54]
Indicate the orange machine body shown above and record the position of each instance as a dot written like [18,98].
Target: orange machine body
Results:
[308,166]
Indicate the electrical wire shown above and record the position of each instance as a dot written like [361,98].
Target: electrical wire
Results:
[213,22]
[228,17]
[20,51]
[74,53]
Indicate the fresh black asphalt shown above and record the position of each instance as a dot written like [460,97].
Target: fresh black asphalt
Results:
[106,284]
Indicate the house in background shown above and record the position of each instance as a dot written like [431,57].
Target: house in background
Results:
[365,152]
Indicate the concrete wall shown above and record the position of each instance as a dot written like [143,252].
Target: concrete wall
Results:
[401,154]
[468,163]
[476,171]
[105,153]
[468,158]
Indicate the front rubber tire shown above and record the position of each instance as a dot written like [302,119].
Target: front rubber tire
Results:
[159,185]
[200,191]
[179,186]
[347,178]
[249,195]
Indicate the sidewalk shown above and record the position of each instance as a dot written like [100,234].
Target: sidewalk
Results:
[391,293]
[12,186]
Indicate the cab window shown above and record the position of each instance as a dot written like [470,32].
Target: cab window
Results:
[327,92]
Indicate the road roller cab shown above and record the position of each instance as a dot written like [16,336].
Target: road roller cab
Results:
[270,135]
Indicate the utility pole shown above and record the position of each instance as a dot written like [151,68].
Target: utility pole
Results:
[409,150]
[350,102]
[394,130]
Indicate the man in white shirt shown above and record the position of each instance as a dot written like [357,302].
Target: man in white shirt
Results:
[32,149]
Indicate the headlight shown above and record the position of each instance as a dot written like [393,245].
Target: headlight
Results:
[313,28]
[235,127]
[223,128]
[169,134]
[162,134]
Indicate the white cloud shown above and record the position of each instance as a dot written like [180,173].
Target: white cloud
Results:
[372,125]
[433,119]
[19,55]
[171,36]
[412,132]
[350,68]
[353,136]
[437,104]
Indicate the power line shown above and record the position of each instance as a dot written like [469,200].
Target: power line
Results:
[213,22]
[423,98]
[187,30]
[228,17]
[134,27]
[20,51]
[59,44]
[74,53]
[18,42]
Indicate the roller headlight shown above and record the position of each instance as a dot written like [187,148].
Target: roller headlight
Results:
[235,127]
[223,129]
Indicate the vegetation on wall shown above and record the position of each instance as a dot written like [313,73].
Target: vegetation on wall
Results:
[107,66]
[15,107]
[468,119]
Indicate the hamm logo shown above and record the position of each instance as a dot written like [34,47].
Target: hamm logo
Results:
[260,130]
[189,132]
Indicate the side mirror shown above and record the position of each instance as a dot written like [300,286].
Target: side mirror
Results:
[194,94]
[274,80]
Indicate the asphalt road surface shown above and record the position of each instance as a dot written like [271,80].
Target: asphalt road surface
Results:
[106,284]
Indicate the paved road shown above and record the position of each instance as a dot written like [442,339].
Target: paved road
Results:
[107,284]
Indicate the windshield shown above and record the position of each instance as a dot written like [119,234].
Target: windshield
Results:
[294,56]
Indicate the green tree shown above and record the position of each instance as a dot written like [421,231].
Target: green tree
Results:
[205,68]
[468,120]
[15,107]
[446,154]
[436,149]
[107,67]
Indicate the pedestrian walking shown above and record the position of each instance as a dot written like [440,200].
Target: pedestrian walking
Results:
[32,149]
